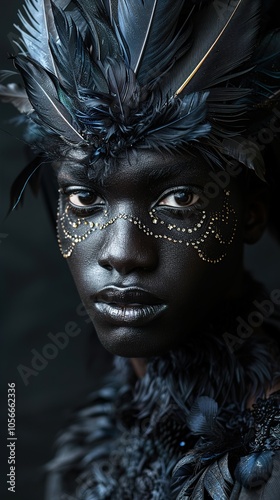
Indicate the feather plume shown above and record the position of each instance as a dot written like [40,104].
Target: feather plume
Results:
[115,74]
[44,98]
[254,470]
[104,40]
[203,415]
[185,118]
[109,9]
[76,70]
[37,27]
[209,60]
[150,31]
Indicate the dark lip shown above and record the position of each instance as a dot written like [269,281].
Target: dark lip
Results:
[127,296]
[128,315]
[128,306]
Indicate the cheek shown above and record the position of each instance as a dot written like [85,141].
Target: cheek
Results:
[191,280]
[72,230]
[206,267]
[211,235]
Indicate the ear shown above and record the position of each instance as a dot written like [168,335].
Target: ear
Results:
[256,215]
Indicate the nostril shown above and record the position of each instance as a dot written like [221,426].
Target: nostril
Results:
[108,267]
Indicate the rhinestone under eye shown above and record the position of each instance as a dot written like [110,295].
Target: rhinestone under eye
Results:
[79,229]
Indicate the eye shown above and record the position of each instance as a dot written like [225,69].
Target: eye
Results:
[179,199]
[84,199]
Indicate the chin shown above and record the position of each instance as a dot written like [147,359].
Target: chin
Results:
[134,342]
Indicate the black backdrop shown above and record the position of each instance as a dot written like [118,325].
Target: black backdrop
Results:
[38,298]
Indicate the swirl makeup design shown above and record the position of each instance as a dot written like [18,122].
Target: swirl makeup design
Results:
[219,226]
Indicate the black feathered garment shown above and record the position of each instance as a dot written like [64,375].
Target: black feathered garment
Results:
[183,430]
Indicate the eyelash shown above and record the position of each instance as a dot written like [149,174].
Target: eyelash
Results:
[179,211]
[81,211]
[92,209]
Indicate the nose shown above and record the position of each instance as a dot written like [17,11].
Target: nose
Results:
[127,248]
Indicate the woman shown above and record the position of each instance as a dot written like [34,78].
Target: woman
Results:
[152,124]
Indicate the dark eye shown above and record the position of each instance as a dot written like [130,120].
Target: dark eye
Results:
[82,199]
[179,199]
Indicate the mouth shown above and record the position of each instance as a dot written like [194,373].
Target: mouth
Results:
[130,306]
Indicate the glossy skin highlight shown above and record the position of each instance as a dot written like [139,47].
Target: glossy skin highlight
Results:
[147,295]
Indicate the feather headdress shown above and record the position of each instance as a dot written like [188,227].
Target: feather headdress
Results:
[108,75]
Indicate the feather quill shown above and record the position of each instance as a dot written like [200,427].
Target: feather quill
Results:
[104,40]
[108,5]
[44,98]
[75,68]
[214,483]
[37,27]
[29,175]
[149,31]
[209,60]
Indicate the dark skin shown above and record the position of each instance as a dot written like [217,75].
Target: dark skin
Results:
[178,290]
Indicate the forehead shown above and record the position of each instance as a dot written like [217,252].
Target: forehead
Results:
[137,166]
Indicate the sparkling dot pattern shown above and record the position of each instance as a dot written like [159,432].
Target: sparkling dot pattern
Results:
[219,225]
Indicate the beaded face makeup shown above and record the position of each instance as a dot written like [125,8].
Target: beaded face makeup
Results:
[210,235]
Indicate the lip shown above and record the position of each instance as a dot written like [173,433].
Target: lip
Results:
[130,306]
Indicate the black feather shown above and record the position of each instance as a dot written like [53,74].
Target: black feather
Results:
[150,31]
[184,119]
[37,27]
[44,98]
[203,415]
[110,75]
[29,175]
[74,65]
[209,61]
[104,40]
[247,153]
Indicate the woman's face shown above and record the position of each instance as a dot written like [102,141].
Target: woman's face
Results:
[150,255]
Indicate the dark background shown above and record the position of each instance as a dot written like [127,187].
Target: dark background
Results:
[38,297]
